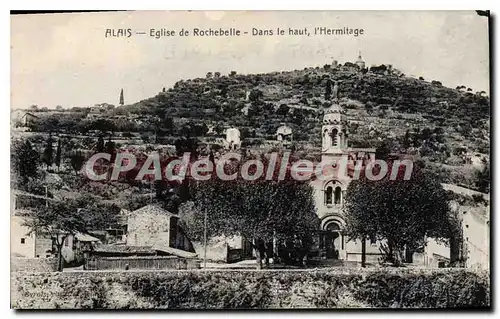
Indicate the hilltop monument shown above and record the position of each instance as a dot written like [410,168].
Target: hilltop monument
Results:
[335,91]
[360,63]
[121,98]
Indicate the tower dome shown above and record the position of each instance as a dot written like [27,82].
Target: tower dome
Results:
[360,63]
[334,115]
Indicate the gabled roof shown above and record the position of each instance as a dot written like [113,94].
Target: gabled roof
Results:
[162,245]
[124,249]
[86,237]
[30,114]
[151,208]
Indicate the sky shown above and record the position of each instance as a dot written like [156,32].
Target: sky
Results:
[65,59]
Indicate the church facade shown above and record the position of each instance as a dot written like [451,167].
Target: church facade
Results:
[330,190]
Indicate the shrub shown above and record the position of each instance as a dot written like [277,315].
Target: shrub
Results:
[339,288]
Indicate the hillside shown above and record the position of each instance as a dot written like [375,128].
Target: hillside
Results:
[380,104]
[443,126]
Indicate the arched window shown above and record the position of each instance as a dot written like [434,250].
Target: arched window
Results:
[326,142]
[334,136]
[329,195]
[344,138]
[338,195]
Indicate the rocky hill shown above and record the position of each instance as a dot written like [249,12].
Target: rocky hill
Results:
[381,105]
[445,127]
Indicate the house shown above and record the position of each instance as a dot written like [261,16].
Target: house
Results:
[26,244]
[154,240]
[21,118]
[284,133]
[151,224]
[233,140]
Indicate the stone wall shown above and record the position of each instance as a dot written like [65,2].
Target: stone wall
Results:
[33,264]
[265,289]
[144,262]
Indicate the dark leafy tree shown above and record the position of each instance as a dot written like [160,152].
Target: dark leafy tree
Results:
[483,179]
[283,110]
[255,95]
[48,152]
[25,161]
[406,139]
[111,149]
[77,160]
[57,160]
[100,144]
[401,213]
[103,125]
[382,152]
[328,89]
[261,211]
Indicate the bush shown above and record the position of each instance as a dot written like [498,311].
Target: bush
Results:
[339,288]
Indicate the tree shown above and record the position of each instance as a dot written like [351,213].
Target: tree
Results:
[59,107]
[400,213]
[111,149]
[283,110]
[77,160]
[25,161]
[328,90]
[100,144]
[255,95]
[219,129]
[48,152]
[122,101]
[103,125]
[260,211]
[483,179]
[34,107]
[69,216]
[383,151]
[57,160]
[406,139]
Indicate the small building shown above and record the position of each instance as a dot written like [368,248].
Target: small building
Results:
[26,244]
[233,139]
[284,133]
[21,118]
[151,224]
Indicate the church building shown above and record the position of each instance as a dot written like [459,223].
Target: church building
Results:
[330,190]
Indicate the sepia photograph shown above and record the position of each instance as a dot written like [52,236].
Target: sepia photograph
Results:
[250,160]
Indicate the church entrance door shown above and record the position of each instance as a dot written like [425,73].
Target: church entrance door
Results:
[332,240]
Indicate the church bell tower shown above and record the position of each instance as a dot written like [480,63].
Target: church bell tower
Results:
[334,130]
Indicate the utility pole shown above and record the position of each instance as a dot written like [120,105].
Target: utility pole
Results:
[363,252]
[46,197]
[205,240]
[151,192]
